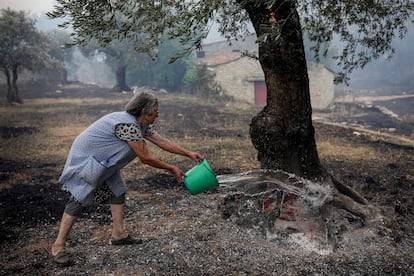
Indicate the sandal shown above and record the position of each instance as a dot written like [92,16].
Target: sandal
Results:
[126,241]
[62,258]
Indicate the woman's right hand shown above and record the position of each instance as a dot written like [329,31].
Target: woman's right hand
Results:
[178,174]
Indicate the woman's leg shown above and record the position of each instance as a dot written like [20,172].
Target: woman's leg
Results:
[119,234]
[117,211]
[118,227]
[72,210]
[64,229]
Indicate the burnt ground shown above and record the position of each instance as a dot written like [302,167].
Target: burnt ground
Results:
[187,235]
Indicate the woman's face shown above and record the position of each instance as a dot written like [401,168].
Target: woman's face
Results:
[154,115]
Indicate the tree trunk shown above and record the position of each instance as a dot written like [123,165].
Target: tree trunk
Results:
[121,79]
[12,89]
[283,132]
[7,74]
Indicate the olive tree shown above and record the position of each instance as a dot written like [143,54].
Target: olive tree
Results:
[118,55]
[22,46]
[59,52]
[282,131]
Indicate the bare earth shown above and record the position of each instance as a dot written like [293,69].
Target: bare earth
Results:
[188,235]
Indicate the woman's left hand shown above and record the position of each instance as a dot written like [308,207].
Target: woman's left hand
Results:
[197,157]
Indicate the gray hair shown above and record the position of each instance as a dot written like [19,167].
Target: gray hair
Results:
[141,104]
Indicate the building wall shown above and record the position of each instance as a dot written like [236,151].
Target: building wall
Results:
[237,80]
[321,86]
[234,77]
[237,77]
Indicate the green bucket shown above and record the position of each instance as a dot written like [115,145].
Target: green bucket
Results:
[200,178]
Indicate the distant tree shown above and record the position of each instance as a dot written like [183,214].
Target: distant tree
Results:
[58,50]
[282,131]
[201,81]
[169,75]
[22,46]
[133,68]
[159,72]
[118,55]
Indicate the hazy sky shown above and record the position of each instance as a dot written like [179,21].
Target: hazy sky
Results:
[32,6]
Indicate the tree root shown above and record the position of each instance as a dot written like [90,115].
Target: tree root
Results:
[350,200]
[348,191]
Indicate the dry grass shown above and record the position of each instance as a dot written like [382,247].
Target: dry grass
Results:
[57,121]
[356,153]
[335,150]
[60,120]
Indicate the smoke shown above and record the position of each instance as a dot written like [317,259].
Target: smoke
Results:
[92,70]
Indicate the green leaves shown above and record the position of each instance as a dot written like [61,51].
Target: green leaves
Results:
[146,21]
[21,45]
[365,28]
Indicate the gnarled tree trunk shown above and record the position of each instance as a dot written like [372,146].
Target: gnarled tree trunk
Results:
[283,132]
[120,75]
[12,89]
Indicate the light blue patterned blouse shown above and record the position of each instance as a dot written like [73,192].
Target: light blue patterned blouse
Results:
[99,153]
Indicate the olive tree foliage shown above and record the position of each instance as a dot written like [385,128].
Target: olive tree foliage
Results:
[144,21]
[365,28]
[282,132]
[22,46]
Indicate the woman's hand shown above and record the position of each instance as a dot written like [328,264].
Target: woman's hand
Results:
[197,157]
[178,173]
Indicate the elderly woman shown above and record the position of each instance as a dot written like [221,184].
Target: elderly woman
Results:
[92,170]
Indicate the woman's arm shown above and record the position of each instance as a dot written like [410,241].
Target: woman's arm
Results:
[141,150]
[172,147]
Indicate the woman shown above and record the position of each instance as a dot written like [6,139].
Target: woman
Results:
[92,170]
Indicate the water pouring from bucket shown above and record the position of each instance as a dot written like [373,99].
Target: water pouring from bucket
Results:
[200,178]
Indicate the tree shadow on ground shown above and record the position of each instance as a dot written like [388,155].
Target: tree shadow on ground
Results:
[27,205]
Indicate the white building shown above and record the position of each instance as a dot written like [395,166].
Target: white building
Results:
[243,78]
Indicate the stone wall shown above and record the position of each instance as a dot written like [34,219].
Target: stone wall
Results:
[321,85]
[234,78]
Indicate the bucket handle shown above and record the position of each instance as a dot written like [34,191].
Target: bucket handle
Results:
[205,164]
